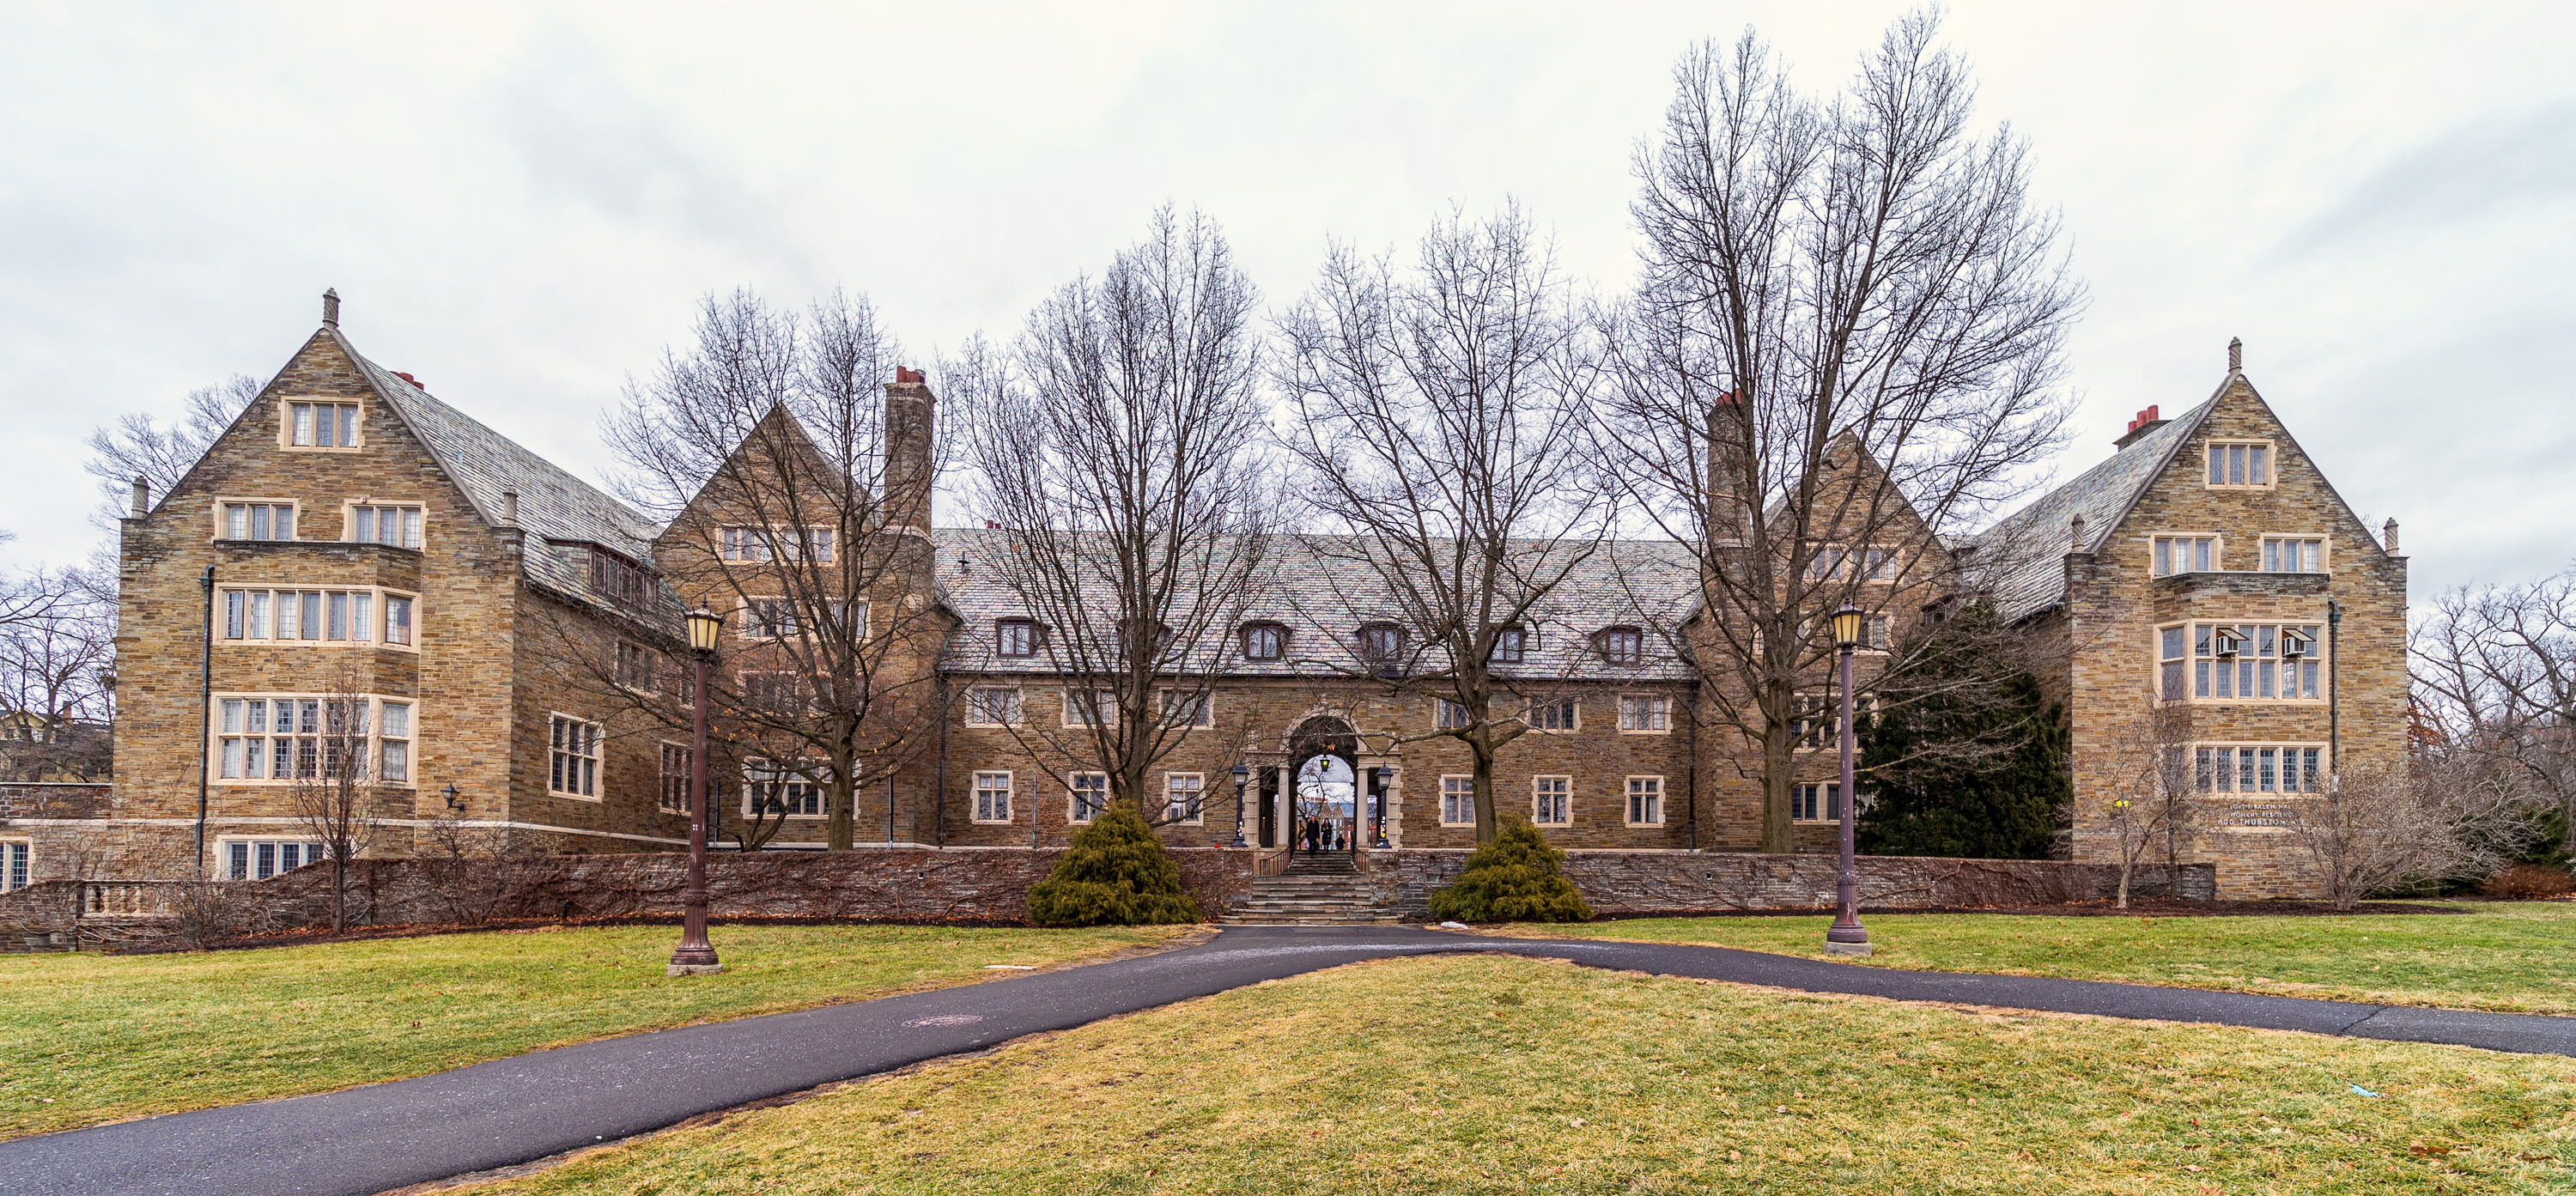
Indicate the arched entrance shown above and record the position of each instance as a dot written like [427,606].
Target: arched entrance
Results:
[1323,779]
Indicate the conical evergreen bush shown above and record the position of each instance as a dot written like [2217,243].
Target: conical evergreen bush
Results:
[1115,874]
[1515,878]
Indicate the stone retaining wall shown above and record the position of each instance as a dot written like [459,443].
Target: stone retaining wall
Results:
[1617,882]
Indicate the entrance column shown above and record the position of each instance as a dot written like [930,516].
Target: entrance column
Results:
[1287,806]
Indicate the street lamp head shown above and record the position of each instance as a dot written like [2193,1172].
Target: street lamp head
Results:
[1242,774]
[452,802]
[1848,623]
[703,626]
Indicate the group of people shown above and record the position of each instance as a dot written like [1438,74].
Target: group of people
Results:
[1323,834]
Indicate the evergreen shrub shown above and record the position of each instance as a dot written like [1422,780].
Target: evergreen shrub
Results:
[1515,878]
[1115,873]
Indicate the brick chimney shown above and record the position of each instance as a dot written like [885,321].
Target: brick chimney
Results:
[2146,421]
[909,415]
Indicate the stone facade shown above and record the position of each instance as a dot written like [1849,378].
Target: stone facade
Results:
[483,545]
[541,608]
[2111,614]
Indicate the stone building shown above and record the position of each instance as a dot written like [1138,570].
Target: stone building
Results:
[2225,622]
[511,632]
[356,566]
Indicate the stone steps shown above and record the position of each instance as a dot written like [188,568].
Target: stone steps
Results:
[1317,890]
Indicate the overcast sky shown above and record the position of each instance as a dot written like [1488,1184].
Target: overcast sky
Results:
[520,204]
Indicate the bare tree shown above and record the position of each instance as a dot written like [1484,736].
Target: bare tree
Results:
[2495,684]
[56,677]
[333,788]
[2386,824]
[137,447]
[1845,344]
[475,871]
[1436,415]
[765,446]
[2154,797]
[1113,447]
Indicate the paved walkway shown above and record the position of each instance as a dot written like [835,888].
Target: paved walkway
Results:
[366,1140]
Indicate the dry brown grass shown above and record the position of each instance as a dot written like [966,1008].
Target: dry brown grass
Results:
[1494,1075]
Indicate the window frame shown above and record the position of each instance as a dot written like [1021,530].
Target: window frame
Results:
[664,778]
[1381,660]
[1458,789]
[1278,633]
[1563,792]
[974,710]
[2309,760]
[977,793]
[231,614]
[2324,541]
[596,756]
[2163,540]
[1067,721]
[628,650]
[356,427]
[1662,706]
[313,850]
[1573,710]
[219,506]
[219,740]
[1823,796]
[761,770]
[1198,804]
[1603,642]
[1655,797]
[2200,679]
[17,863]
[414,534]
[1203,720]
[1001,643]
[1443,718]
[2270,462]
[1523,642]
[1073,800]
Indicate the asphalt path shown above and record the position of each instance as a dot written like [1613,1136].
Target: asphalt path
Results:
[517,1110]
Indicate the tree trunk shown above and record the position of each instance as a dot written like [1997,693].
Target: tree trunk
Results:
[1487,824]
[838,832]
[1779,830]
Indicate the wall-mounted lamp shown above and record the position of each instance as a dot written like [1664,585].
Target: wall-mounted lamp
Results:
[454,806]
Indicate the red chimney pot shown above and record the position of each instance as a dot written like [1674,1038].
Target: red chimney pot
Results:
[908,374]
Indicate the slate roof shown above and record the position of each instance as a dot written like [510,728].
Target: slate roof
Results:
[553,504]
[1323,596]
[2027,550]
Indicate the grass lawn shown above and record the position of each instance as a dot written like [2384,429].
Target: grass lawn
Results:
[2516,957]
[1493,1075]
[91,1038]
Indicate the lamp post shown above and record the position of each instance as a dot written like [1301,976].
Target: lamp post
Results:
[1845,936]
[1384,775]
[696,956]
[1242,777]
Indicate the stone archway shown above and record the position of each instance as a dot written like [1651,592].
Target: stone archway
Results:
[1323,780]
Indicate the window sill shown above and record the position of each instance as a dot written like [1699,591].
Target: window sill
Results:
[1665,731]
[575,797]
[990,821]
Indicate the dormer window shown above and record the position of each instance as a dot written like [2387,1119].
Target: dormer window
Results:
[1622,645]
[617,579]
[1015,638]
[1264,641]
[1512,645]
[1381,646]
[322,425]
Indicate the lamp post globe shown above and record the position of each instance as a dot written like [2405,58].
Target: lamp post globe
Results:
[696,956]
[1846,936]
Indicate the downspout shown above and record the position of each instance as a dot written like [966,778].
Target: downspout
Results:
[2334,689]
[205,714]
[889,809]
[1690,777]
[939,797]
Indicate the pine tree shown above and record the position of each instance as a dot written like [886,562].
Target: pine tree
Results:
[1515,878]
[1114,874]
[1968,803]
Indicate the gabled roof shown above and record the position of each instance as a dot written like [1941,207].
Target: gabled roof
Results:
[2028,549]
[1323,616]
[553,504]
